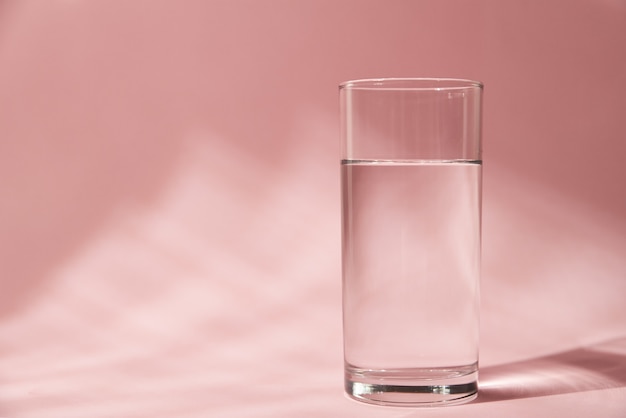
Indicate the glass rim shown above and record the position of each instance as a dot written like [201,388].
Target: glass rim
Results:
[410,83]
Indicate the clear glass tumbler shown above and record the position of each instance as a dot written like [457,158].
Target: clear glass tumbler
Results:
[411,224]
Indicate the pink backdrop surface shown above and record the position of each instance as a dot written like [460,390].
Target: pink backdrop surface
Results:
[169,201]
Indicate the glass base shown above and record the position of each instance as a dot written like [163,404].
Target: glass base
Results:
[413,387]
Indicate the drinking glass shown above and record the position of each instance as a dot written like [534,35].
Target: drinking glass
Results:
[411,224]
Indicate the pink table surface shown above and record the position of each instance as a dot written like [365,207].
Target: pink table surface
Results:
[169,202]
[193,308]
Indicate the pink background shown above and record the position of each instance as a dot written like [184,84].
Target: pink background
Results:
[169,213]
